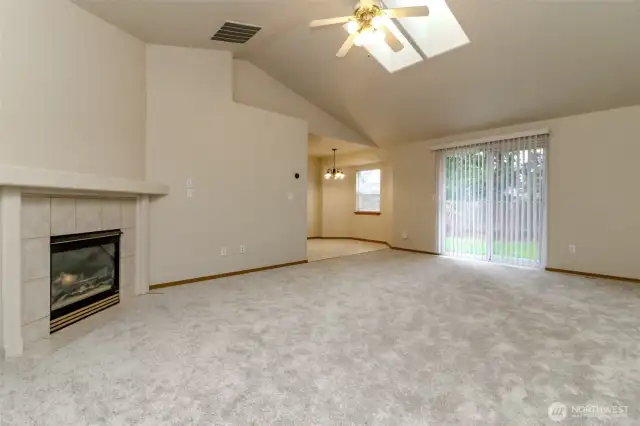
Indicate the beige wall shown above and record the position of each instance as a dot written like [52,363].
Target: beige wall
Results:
[252,86]
[72,90]
[241,161]
[314,197]
[339,202]
[594,200]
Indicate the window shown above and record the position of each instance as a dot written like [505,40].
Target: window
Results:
[368,192]
[492,200]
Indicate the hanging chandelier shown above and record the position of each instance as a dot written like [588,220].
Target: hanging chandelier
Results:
[334,173]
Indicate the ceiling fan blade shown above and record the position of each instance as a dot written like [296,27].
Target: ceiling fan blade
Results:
[329,21]
[407,12]
[348,44]
[390,38]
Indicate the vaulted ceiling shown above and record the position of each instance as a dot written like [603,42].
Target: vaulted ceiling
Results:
[526,60]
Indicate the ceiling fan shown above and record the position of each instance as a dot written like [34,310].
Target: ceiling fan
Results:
[370,23]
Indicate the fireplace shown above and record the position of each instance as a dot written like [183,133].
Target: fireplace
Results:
[85,272]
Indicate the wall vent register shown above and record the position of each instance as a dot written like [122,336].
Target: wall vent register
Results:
[234,32]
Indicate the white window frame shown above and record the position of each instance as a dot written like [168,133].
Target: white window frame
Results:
[357,207]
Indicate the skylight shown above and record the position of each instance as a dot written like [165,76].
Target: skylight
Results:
[434,35]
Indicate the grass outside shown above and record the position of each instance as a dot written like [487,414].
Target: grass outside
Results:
[520,250]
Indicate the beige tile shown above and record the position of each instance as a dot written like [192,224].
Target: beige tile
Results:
[63,216]
[111,214]
[327,248]
[35,331]
[88,215]
[35,300]
[36,217]
[128,242]
[127,277]
[128,213]
[35,259]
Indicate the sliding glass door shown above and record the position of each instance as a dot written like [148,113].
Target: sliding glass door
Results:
[492,200]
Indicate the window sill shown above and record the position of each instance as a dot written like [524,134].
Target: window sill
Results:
[367,213]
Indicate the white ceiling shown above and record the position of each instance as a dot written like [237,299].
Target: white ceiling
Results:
[527,60]
[319,146]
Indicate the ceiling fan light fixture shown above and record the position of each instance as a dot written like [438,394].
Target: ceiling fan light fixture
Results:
[353,27]
[370,24]
[367,36]
[377,22]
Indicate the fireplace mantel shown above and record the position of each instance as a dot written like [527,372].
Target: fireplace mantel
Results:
[15,182]
[28,177]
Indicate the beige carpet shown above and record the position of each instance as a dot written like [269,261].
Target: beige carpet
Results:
[381,338]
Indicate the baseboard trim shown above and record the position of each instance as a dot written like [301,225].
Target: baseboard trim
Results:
[372,241]
[226,274]
[591,275]
[415,251]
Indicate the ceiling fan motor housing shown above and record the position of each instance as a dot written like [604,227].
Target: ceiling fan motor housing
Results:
[364,15]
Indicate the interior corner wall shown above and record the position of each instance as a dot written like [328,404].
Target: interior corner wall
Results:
[238,162]
[339,204]
[593,198]
[252,86]
[314,198]
[73,91]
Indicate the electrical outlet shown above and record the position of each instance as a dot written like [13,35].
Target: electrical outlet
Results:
[189,193]
[243,249]
[223,251]
[405,235]
[572,248]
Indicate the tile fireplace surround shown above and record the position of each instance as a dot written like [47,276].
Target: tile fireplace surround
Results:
[36,204]
[43,217]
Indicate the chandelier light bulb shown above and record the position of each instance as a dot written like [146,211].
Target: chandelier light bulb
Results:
[328,174]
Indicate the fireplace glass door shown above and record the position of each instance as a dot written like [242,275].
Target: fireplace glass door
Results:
[84,275]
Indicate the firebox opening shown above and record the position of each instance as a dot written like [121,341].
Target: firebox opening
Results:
[85,271]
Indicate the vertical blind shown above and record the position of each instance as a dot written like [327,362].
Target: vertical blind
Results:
[492,200]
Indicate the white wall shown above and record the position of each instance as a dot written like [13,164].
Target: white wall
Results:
[594,200]
[252,86]
[314,197]
[72,90]
[339,204]
[242,161]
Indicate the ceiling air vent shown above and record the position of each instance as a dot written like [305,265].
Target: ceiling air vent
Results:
[234,32]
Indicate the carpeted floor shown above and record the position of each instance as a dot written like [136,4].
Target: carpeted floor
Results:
[380,338]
